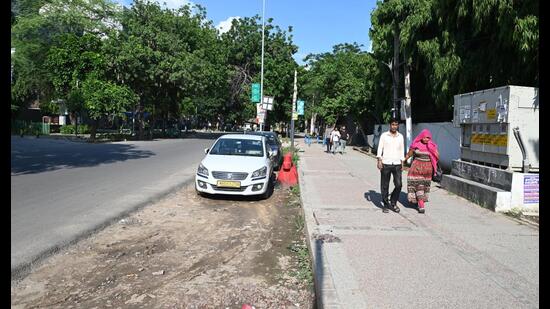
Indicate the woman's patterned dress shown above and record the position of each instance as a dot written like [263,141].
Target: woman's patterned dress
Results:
[419,177]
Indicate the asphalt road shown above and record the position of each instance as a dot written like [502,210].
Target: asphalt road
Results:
[62,191]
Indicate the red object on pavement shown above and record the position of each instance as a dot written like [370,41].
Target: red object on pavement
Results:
[247,306]
[288,175]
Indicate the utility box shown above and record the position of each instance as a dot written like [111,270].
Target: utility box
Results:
[487,120]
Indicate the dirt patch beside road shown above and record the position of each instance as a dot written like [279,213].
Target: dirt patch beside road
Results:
[183,252]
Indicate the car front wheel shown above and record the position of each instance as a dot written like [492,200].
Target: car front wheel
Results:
[270,187]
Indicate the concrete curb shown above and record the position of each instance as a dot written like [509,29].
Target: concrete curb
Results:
[314,250]
[59,137]
[334,282]
[21,270]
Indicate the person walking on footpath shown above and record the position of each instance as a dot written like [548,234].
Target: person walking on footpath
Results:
[390,154]
[335,139]
[344,136]
[419,179]
[327,138]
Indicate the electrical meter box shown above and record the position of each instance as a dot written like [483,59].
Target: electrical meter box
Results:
[487,119]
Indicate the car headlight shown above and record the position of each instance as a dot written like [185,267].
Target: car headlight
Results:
[202,170]
[260,173]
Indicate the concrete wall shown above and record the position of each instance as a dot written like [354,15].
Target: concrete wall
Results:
[445,135]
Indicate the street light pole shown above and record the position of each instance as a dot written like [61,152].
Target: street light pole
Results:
[294,96]
[395,68]
[262,70]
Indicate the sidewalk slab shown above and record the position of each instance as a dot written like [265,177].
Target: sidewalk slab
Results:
[456,255]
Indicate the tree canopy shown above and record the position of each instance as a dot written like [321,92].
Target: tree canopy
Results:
[174,64]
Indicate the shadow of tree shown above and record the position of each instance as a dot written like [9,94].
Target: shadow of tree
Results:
[31,156]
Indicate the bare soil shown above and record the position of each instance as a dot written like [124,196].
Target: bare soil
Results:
[185,251]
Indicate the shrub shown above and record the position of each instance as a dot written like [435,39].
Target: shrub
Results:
[69,129]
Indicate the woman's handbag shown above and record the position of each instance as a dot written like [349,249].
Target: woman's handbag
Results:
[438,174]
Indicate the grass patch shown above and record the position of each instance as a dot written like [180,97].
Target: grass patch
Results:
[295,156]
[302,269]
[295,191]
[514,212]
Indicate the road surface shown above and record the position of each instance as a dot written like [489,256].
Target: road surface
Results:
[61,190]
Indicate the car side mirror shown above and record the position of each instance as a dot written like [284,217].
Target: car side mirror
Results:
[206,150]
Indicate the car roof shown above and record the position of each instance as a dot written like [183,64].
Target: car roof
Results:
[242,136]
[264,133]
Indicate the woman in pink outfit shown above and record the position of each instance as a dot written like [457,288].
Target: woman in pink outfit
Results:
[419,178]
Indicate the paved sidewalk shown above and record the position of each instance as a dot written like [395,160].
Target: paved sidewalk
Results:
[456,255]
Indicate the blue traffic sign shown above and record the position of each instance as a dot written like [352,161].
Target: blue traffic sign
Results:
[300,107]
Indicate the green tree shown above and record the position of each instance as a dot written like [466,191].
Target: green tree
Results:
[342,83]
[105,98]
[244,50]
[456,47]
[168,57]
[37,23]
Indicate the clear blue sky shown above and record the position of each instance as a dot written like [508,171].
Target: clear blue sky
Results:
[318,25]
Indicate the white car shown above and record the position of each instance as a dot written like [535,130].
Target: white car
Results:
[236,164]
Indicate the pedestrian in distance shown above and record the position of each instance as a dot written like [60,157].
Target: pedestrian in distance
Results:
[308,140]
[424,165]
[335,139]
[327,138]
[344,136]
[390,154]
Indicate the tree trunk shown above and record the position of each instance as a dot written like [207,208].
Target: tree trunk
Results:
[365,137]
[93,129]
[75,124]
[141,125]
[312,124]
[163,125]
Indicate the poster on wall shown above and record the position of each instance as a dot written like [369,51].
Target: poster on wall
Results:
[531,189]
[475,116]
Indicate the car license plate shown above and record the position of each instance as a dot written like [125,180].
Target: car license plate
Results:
[229,184]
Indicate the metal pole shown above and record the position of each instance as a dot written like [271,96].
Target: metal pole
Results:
[408,114]
[262,71]
[293,109]
[395,68]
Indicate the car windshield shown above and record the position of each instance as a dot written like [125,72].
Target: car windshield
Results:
[271,138]
[238,147]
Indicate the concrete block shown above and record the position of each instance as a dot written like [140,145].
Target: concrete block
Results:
[488,197]
[490,176]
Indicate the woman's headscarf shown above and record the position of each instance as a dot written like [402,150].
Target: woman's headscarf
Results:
[430,147]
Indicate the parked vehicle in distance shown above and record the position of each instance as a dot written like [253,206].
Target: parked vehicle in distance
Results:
[275,145]
[236,164]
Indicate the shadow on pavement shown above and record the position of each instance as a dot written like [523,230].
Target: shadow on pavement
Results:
[376,199]
[30,156]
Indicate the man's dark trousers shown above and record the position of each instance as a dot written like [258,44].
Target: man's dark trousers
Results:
[395,171]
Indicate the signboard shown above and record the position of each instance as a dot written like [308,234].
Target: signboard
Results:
[260,113]
[300,108]
[294,115]
[255,93]
[268,103]
[491,114]
[531,189]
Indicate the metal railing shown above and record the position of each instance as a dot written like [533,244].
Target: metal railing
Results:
[21,127]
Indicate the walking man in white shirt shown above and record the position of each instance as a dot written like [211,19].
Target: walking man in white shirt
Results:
[335,139]
[390,154]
